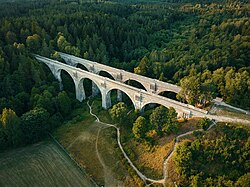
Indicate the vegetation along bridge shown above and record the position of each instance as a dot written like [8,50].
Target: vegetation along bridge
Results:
[140,98]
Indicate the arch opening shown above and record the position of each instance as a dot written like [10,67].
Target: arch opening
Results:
[68,83]
[135,84]
[113,94]
[90,88]
[105,74]
[149,108]
[80,66]
[169,95]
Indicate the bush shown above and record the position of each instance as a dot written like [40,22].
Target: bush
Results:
[204,123]
[198,134]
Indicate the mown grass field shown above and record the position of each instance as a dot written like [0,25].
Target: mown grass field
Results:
[41,164]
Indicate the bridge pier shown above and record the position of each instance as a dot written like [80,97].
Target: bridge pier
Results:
[106,100]
[60,85]
[119,95]
[80,92]
[95,89]
[57,74]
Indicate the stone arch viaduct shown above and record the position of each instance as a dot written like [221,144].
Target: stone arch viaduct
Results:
[140,98]
[151,85]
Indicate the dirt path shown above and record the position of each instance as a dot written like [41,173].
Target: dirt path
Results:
[175,146]
[141,175]
[165,164]
[108,174]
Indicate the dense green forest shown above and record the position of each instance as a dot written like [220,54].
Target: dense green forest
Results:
[202,47]
[223,161]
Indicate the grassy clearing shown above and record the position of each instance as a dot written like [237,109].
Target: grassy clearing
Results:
[172,173]
[188,126]
[79,138]
[42,164]
[112,157]
[151,161]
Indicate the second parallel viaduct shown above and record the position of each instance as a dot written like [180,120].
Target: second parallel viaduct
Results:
[151,85]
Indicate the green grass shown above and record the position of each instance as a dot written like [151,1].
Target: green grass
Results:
[79,137]
[80,134]
[41,164]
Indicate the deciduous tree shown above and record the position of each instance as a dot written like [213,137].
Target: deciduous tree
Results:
[140,128]
[119,112]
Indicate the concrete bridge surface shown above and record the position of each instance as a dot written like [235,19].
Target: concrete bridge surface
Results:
[140,98]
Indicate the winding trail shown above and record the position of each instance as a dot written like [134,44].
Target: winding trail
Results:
[108,176]
[141,175]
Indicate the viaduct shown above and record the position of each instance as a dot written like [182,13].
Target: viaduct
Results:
[140,98]
[151,85]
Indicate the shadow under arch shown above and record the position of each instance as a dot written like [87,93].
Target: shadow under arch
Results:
[68,83]
[135,83]
[112,98]
[148,108]
[169,94]
[104,73]
[82,67]
[90,87]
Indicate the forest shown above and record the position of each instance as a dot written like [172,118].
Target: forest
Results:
[203,46]
[215,162]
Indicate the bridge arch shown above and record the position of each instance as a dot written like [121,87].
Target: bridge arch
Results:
[105,73]
[162,90]
[52,72]
[154,103]
[110,101]
[88,87]
[169,94]
[81,66]
[67,80]
[74,63]
[135,83]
